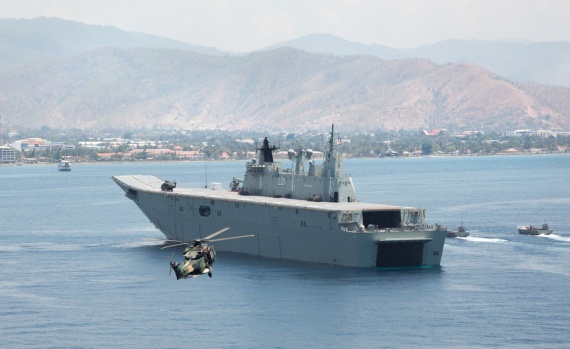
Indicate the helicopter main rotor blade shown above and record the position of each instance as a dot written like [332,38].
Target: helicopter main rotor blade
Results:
[173,245]
[215,234]
[231,238]
[160,239]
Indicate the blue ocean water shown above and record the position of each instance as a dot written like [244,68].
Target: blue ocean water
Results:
[77,272]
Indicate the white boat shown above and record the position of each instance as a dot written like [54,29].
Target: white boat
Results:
[293,214]
[532,230]
[64,165]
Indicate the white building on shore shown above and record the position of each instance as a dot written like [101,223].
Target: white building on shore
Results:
[7,155]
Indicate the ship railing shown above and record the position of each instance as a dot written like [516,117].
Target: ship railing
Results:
[436,227]
[255,168]
[371,228]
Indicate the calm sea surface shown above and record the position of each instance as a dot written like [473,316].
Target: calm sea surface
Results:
[76,272]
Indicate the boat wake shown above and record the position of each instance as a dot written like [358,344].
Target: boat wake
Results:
[479,239]
[39,247]
[556,237]
[69,247]
[137,244]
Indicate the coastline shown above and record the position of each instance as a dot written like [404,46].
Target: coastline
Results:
[346,156]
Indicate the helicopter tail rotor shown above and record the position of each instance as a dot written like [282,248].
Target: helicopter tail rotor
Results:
[173,265]
[170,264]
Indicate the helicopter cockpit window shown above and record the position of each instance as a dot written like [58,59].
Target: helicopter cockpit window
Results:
[204,211]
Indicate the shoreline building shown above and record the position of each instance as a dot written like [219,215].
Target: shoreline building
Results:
[7,155]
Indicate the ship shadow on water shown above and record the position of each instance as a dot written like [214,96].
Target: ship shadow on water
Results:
[254,267]
[233,267]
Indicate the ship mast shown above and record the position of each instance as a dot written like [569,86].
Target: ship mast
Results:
[332,160]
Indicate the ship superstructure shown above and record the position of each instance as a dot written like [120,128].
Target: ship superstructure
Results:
[309,215]
[327,182]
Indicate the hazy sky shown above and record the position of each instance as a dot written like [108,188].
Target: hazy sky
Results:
[246,25]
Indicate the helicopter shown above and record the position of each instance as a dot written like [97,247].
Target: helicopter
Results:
[199,255]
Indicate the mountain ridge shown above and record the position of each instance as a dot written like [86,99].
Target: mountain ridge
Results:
[288,88]
[280,88]
[542,62]
[24,41]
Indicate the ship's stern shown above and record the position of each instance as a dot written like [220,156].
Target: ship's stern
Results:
[409,252]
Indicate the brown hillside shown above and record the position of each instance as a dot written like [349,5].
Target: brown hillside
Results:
[273,90]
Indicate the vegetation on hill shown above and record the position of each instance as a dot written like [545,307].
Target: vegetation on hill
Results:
[64,74]
[282,89]
[115,145]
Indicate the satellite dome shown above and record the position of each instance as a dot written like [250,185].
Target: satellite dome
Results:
[291,153]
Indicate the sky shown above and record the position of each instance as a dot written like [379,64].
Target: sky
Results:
[248,25]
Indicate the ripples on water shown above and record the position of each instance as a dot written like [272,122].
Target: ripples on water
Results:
[76,272]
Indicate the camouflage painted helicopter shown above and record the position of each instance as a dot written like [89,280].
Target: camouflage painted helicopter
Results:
[198,256]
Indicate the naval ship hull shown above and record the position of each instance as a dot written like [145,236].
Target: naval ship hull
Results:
[320,232]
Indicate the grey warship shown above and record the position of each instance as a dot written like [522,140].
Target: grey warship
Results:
[306,215]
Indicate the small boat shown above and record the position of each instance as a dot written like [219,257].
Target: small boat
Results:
[531,230]
[64,165]
[459,233]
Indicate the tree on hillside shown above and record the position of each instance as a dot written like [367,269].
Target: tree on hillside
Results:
[427,148]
